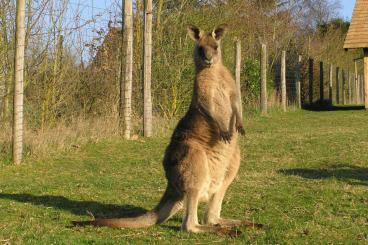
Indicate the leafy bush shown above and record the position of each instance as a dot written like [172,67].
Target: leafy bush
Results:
[251,75]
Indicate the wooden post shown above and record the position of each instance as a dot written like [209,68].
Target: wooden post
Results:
[298,83]
[349,88]
[18,83]
[337,86]
[237,73]
[311,77]
[126,81]
[361,82]
[147,75]
[365,61]
[359,92]
[343,87]
[283,81]
[353,88]
[264,79]
[356,82]
[366,78]
[330,84]
[321,80]
[361,89]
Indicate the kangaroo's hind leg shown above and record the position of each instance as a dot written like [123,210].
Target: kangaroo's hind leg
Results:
[195,178]
[190,222]
[196,174]
[213,212]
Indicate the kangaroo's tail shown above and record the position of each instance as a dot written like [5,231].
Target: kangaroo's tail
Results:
[169,204]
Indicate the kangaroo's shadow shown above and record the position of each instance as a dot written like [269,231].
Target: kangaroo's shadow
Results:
[344,172]
[98,209]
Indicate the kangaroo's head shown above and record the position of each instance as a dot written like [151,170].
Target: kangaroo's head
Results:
[207,52]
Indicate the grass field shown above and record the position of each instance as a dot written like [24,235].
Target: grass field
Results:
[304,175]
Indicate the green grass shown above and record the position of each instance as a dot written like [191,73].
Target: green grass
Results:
[304,175]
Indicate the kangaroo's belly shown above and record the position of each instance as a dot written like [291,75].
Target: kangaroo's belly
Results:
[218,162]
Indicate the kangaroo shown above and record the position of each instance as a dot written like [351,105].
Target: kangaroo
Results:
[203,156]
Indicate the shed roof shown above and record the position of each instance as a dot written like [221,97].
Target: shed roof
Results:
[357,36]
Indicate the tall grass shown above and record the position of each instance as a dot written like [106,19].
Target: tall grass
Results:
[69,135]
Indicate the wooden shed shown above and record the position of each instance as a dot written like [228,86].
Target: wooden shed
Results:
[357,38]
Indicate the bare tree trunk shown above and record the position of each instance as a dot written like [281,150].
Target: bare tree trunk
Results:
[18,84]
[147,118]
[126,82]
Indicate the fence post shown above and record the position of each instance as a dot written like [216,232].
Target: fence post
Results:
[321,80]
[147,75]
[127,59]
[365,61]
[352,77]
[349,87]
[237,74]
[337,86]
[361,89]
[298,83]
[264,79]
[330,84]
[358,88]
[343,88]
[311,77]
[356,82]
[18,84]
[283,81]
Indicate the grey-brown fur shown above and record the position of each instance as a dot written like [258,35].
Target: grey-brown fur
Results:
[203,156]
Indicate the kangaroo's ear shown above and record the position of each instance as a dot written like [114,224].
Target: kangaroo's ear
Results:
[219,32]
[194,32]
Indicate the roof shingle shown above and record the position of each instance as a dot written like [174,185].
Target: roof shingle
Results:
[357,36]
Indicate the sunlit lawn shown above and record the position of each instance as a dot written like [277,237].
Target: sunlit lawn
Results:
[304,175]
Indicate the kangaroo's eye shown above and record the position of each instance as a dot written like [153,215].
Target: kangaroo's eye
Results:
[215,47]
